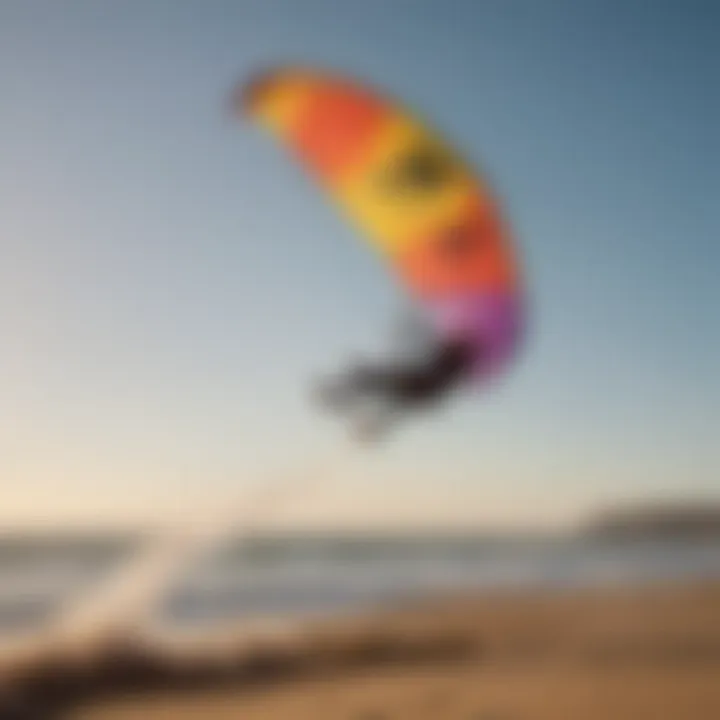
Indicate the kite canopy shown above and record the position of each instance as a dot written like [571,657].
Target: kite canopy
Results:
[413,197]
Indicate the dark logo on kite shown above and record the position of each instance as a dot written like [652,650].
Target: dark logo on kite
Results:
[422,170]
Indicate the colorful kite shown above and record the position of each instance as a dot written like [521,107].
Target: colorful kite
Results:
[424,209]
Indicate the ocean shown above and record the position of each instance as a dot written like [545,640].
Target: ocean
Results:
[297,576]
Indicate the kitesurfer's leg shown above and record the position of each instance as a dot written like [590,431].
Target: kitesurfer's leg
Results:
[409,383]
[417,381]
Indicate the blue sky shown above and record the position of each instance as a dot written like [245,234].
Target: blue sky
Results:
[170,282]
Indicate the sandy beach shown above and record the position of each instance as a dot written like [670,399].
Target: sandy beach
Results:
[605,654]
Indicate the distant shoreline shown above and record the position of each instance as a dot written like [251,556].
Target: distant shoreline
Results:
[643,519]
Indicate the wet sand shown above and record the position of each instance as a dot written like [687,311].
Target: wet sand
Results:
[650,653]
